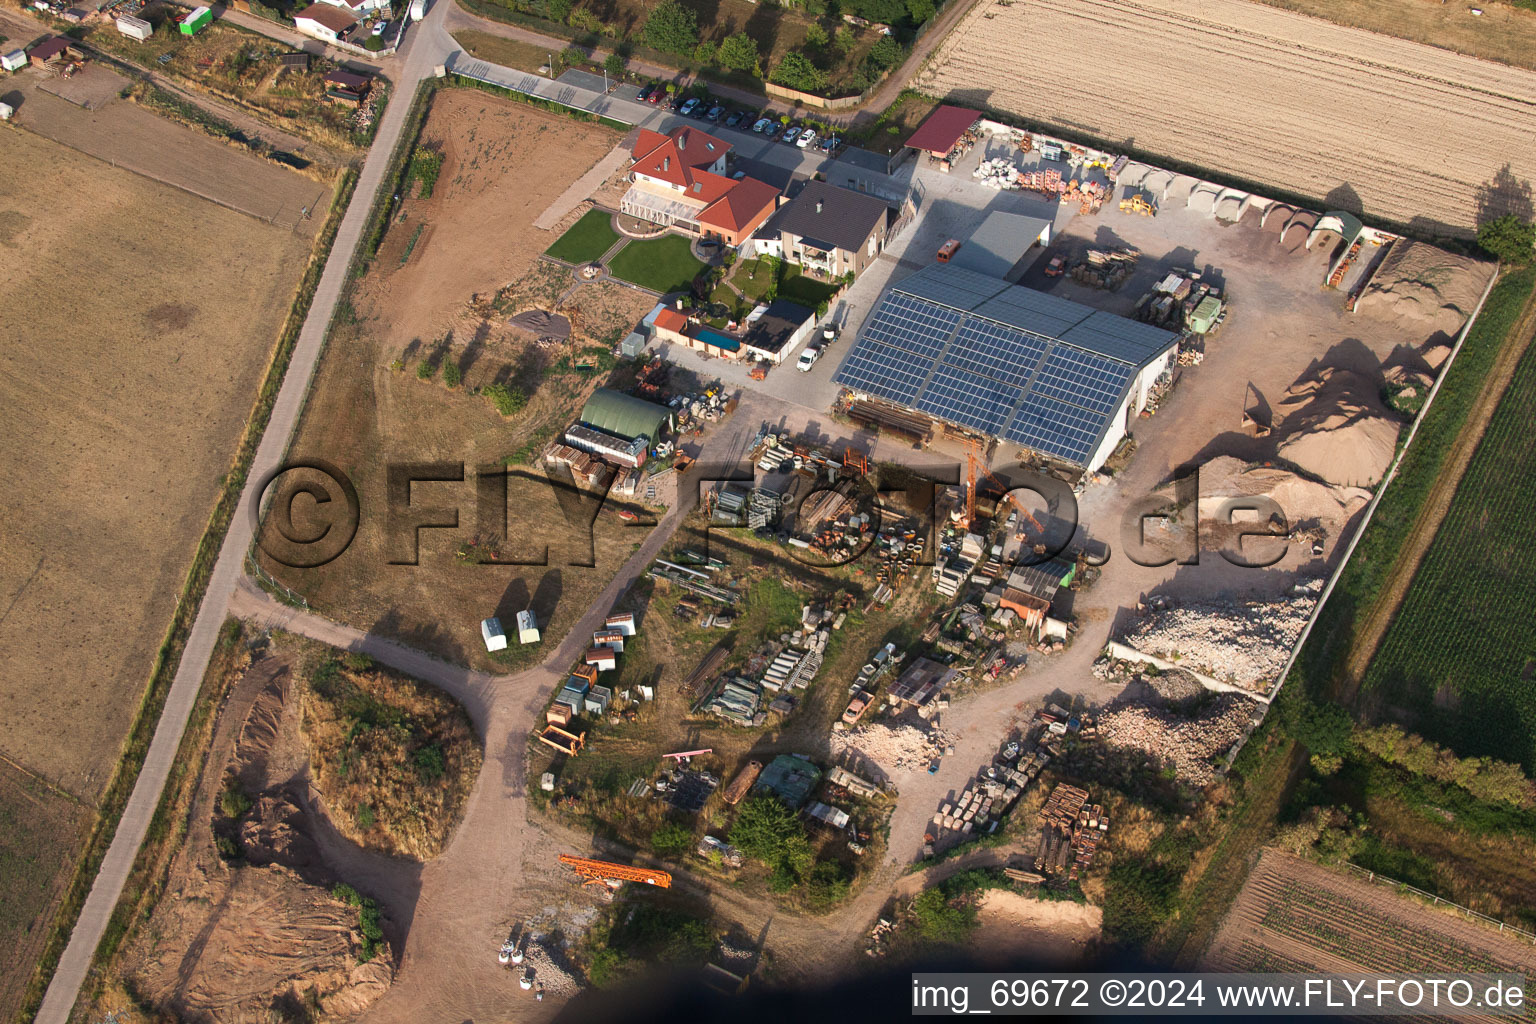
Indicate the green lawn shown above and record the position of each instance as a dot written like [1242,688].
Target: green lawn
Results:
[663,264]
[586,240]
[754,277]
[809,292]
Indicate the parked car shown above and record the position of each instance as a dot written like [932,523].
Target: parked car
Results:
[790,134]
[379,28]
[658,94]
[715,112]
[772,131]
[761,125]
[736,118]
[806,138]
[830,143]
[645,91]
[808,358]
[688,107]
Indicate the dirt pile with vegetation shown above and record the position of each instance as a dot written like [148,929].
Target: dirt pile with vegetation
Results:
[393,759]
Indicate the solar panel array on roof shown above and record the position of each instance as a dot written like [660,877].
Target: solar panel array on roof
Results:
[1035,369]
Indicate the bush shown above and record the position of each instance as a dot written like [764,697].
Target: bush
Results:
[796,71]
[430,762]
[233,801]
[508,401]
[614,65]
[1508,239]
[557,10]
[942,920]
[671,838]
[739,53]
[452,375]
[228,848]
[767,830]
[364,816]
[426,370]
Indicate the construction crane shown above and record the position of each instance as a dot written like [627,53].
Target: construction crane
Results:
[602,872]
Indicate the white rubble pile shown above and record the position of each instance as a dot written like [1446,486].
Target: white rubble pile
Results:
[893,748]
[1187,743]
[1240,642]
[997,173]
[548,971]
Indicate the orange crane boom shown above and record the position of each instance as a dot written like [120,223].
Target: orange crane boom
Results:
[604,871]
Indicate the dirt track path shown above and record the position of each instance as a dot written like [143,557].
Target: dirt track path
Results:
[1371,630]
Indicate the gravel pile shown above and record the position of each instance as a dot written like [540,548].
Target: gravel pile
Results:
[1186,742]
[1240,642]
[549,972]
[891,748]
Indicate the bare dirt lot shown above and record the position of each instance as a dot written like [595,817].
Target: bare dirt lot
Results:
[432,295]
[1410,133]
[1294,915]
[129,136]
[1501,32]
[125,384]
[1044,930]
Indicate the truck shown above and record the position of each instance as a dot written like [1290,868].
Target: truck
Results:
[418,9]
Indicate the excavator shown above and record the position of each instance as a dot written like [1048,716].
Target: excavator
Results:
[611,875]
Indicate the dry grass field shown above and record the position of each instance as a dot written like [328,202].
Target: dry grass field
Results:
[1501,31]
[139,320]
[1410,133]
[1295,916]
[436,299]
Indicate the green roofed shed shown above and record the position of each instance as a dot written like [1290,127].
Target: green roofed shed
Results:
[625,415]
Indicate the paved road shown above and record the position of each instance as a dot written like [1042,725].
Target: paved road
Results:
[423,53]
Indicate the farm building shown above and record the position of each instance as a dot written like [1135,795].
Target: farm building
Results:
[776,331]
[51,50]
[324,21]
[347,87]
[1000,244]
[1045,373]
[620,451]
[625,415]
[13,61]
[942,129]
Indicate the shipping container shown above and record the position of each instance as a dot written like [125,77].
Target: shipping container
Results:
[195,22]
[135,28]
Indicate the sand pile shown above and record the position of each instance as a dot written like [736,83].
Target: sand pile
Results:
[891,748]
[1300,498]
[1244,643]
[1189,742]
[1333,425]
[1427,285]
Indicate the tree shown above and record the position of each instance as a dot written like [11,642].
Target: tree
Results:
[885,54]
[919,10]
[704,53]
[1509,239]
[452,375]
[739,53]
[884,12]
[797,72]
[614,64]
[815,35]
[845,38]
[557,10]
[671,28]
[941,921]
[767,830]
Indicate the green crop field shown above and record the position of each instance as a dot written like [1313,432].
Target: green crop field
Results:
[663,265]
[585,240]
[1461,653]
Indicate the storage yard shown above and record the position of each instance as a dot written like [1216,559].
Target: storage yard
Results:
[1338,113]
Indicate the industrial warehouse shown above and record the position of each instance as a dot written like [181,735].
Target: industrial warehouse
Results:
[1043,372]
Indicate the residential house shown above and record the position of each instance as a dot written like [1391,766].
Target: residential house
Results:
[359,7]
[830,230]
[325,21]
[679,179]
[673,327]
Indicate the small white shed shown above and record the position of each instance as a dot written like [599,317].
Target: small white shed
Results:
[13,61]
[527,627]
[495,637]
[135,28]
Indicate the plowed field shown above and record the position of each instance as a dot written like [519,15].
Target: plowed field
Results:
[1294,915]
[1408,132]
